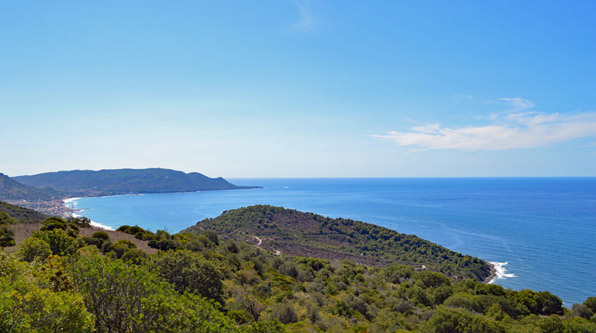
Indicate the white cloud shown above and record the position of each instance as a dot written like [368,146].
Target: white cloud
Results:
[520,128]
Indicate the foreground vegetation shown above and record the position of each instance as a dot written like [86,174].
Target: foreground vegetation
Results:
[61,281]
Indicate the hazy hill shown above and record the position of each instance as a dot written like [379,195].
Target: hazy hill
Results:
[306,234]
[11,189]
[122,181]
[22,214]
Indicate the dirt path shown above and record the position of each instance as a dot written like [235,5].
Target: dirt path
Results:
[260,242]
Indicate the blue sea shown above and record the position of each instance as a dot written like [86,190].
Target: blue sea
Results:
[541,231]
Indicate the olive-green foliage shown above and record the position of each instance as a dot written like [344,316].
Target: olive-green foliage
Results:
[190,272]
[60,242]
[543,303]
[448,320]
[590,303]
[398,273]
[130,298]
[119,248]
[579,325]
[551,324]
[138,232]
[6,236]
[6,233]
[58,223]
[33,248]
[80,221]
[100,235]
[212,236]
[134,256]
[285,313]
[7,219]
[28,306]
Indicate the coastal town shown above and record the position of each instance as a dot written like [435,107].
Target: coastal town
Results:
[49,207]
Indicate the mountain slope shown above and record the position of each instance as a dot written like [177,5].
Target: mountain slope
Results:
[306,234]
[11,189]
[123,181]
[22,214]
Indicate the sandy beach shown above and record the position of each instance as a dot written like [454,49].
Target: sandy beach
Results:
[70,205]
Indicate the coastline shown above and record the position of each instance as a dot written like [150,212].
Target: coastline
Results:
[498,272]
[63,209]
[71,211]
[493,273]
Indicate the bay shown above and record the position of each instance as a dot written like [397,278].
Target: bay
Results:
[541,230]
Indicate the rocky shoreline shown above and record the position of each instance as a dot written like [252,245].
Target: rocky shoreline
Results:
[492,275]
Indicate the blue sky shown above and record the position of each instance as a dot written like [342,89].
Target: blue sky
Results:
[300,88]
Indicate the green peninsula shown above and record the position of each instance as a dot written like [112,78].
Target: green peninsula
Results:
[306,234]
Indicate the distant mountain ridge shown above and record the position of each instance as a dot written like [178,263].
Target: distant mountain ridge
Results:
[12,190]
[126,181]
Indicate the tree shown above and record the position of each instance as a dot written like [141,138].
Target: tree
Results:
[6,236]
[130,298]
[80,221]
[120,247]
[590,303]
[188,271]
[33,248]
[248,303]
[25,306]
[552,324]
[285,313]
[446,320]
[212,236]
[60,242]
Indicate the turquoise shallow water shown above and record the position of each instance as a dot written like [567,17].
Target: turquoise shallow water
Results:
[544,228]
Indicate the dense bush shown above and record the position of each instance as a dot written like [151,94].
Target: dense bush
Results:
[190,272]
[60,242]
[6,236]
[33,248]
[28,306]
[132,299]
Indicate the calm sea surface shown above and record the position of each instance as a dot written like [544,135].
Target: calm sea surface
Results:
[543,228]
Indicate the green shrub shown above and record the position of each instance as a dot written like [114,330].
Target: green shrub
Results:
[130,298]
[33,248]
[285,313]
[188,271]
[60,242]
[101,235]
[6,236]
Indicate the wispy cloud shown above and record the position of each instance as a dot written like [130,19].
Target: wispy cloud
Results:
[306,21]
[518,103]
[519,128]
